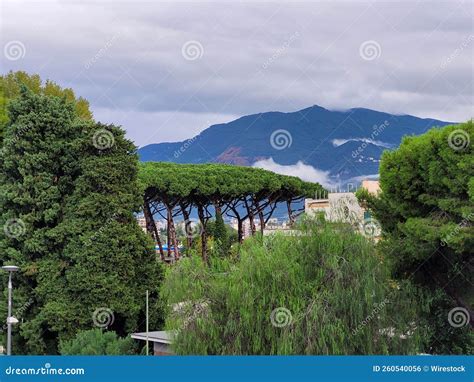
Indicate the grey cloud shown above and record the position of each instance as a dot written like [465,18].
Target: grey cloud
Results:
[126,57]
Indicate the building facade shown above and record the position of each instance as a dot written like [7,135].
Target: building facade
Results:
[344,207]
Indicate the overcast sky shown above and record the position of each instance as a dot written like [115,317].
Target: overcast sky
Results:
[167,70]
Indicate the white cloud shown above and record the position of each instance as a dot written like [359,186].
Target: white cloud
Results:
[301,170]
[340,142]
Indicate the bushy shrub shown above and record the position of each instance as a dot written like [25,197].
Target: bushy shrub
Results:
[97,342]
[322,291]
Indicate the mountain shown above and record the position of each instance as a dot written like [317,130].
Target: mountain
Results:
[340,145]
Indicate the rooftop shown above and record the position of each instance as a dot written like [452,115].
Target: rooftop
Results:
[162,336]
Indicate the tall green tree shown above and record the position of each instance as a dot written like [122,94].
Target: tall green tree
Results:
[426,209]
[220,234]
[11,83]
[69,190]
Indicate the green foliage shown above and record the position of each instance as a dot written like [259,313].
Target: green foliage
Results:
[97,342]
[217,182]
[80,248]
[10,85]
[168,186]
[323,291]
[426,209]
[220,234]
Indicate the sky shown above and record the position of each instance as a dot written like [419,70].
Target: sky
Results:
[167,70]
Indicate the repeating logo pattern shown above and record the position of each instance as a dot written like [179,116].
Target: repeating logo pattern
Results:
[14,228]
[370,50]
[281,317]
[459,139]
[281,139]
[192,228]
[103,317]
[103,139]
[371,228]
[14,50]
[192,50]
[458,317]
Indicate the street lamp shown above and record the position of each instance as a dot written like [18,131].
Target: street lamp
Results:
[10,320]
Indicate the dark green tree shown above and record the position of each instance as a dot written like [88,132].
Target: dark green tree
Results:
[69,191]
[38,168]
[426,209]
[220,234]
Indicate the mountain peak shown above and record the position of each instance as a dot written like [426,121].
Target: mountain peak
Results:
[307,136]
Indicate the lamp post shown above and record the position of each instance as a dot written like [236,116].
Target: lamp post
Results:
[10,320]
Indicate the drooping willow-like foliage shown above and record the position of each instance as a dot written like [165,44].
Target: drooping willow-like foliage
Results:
[323,291]
[242,193]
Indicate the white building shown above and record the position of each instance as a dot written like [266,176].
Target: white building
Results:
[160,224]
[344,207]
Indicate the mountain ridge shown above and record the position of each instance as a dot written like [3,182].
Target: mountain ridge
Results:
[307,135]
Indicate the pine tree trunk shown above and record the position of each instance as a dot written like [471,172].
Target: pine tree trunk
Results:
[160,245]
[252,223]
[250,217]
[168,232]
[189,238]
[240,230]
[260,216]
[218,208]
[262,221]
[203,235]
[151,227]
[172,233]
[291,218]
